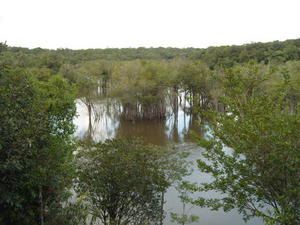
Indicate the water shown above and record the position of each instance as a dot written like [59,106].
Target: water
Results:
[181,132]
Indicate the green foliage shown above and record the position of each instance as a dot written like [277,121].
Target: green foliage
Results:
[214,57]
[258,174]
[196,79]
[72,213]
[122,181]
[3,46]
[35,146]
[141,87]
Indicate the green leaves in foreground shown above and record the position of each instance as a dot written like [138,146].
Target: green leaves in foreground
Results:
[123,181]
[259,173]
[36,124]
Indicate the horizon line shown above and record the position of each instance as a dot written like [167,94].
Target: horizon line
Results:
[152,47]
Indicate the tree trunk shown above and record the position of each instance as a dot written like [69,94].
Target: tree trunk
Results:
[175,99]
[162,202]
[90,121]
[183,213]
[184,101]
[41,206]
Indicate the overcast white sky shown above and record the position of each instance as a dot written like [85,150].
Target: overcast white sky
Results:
[148,23]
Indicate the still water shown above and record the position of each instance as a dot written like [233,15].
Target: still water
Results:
[180,132]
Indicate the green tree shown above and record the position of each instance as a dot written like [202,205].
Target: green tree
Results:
[141,88]
[123,181]
[35,147]
[92,79]
[259,174]
[3,46]
[195,80]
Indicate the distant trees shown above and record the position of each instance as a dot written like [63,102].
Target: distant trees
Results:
[147,88]
[36,147]
[141,87]
[92,80]
[260,174]
[3,46]
[195,80]
[213,57]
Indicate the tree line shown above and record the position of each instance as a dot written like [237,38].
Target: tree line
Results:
[223,56]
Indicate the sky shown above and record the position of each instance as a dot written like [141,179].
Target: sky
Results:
[81,24]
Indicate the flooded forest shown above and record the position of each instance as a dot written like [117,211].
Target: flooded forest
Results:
[148,136]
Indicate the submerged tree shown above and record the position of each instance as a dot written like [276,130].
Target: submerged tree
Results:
[260,175]
[141,87]
[195,80]
[92,80]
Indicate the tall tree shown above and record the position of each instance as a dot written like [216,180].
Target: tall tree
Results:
[35,147]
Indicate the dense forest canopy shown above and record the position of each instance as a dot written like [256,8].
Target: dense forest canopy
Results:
[225,56]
